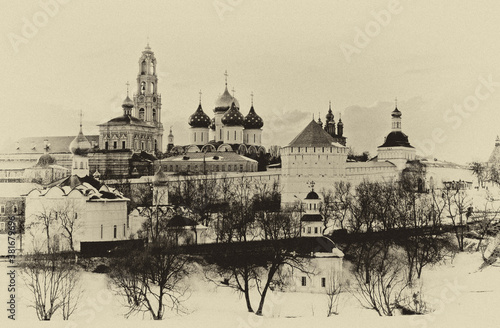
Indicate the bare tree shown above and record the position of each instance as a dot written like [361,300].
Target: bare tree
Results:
[67,215]
[458,208]
[151,280]
[281,230]
[384,291]
[333,288]
[487,216]
[480,171]
[52,280]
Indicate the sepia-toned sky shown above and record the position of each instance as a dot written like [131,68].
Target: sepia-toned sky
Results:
[441,59]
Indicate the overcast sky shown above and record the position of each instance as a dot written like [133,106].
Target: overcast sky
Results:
[441,59]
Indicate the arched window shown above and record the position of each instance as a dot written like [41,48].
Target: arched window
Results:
[143,67]
[154,114]
[141,114]
[143,88]
[14,209]
[106,145]
[81,165]
[152,87]
[156,145]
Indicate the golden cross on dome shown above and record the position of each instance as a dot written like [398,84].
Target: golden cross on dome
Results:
[396,101]
[127,87]
[311,184]
[200,96]
[225,74]
[251,97]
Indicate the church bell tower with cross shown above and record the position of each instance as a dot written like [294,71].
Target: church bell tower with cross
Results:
[147,101]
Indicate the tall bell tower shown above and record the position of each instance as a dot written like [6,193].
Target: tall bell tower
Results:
[147,101]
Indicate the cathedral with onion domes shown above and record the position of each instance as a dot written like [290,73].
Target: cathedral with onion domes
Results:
[228,130]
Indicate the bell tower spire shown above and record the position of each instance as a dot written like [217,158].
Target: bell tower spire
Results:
[147,100]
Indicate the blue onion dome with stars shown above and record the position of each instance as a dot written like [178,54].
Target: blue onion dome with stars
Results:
[252,120]
[233,117]
[199,119]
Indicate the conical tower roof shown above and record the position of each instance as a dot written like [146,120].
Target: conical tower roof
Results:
[495,154]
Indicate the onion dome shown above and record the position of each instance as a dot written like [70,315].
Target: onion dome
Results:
[199,119]
[233,117]
[224,102]
[252,120]
[128,103]
[329,116]
[45,160]
[80,145]
[396,113]
[319,122]
[127,106]
[312,195]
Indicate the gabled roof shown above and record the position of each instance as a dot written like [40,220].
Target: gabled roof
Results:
[313,136]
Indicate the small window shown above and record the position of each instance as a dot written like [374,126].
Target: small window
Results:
[102,231]
[308,229]
[115,144]
[124,230]
[2,226]
[14,209]
[315,230]
[123,145]
[114,231]
[106,145]
[323,282]
[304,281]
[2,209]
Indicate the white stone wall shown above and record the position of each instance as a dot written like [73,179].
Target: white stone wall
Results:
[90,216]
[324,266]
[301,165]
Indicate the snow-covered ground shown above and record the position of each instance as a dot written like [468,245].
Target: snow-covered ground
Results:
[462,297]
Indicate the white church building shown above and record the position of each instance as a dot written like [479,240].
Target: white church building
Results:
[75,209]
